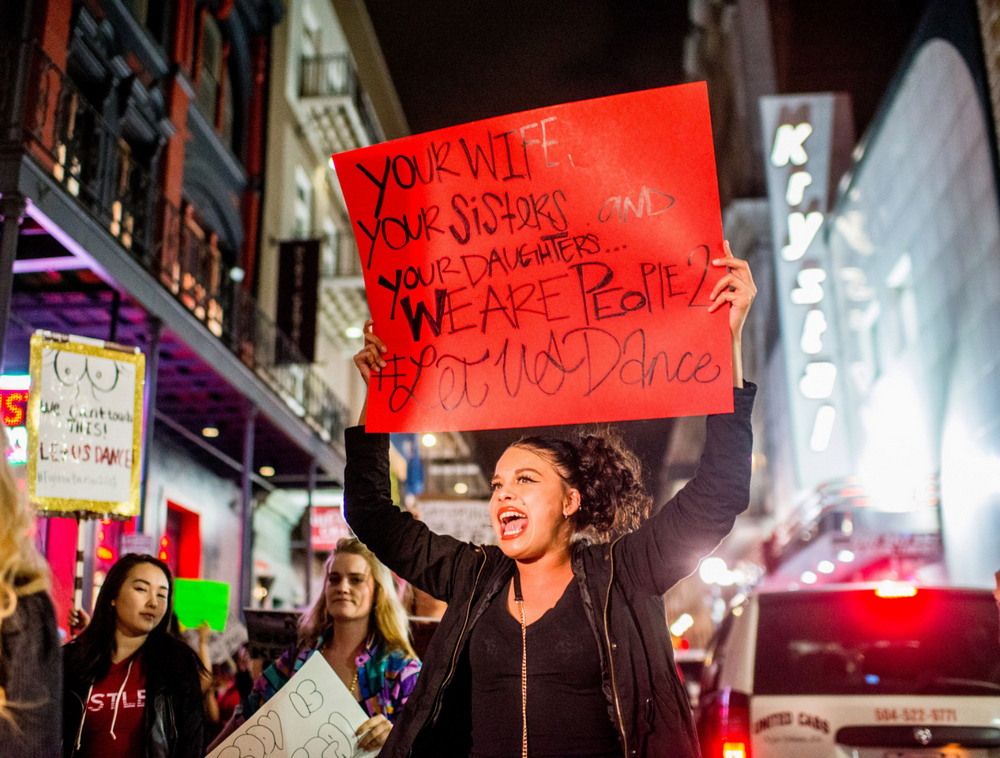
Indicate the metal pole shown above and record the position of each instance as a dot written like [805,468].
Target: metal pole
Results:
[83,581]
[116,304]
[22,65]
[12,208]
[81,544]
[308,529]
[149,415]
[246,511]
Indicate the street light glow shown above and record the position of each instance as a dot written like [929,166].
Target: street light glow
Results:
[713,570]
[681,625]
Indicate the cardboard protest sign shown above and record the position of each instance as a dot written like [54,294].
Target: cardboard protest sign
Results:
[197,601]
[545,267]
[312,716]
[465,520]
[84,426]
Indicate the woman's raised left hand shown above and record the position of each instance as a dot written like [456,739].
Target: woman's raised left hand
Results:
[374,732]
[736,288]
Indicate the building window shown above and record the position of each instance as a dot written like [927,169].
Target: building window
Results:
[180,545]
[303,204]
[153,15]
[903,303]
[331,244]
[77,145]
[130,204]
[200,271]
[225,125]
[312,40]
[213,92]
[866,366]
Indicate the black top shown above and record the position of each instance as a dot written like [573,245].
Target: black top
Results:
[31,675]
[567,710]
[621,585]
[174,714]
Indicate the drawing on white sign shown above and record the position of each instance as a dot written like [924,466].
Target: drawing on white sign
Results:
[335,740]
[306,699]
[312,716]
[261,738]
[85,426]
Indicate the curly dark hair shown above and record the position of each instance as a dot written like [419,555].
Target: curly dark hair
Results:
[608,476]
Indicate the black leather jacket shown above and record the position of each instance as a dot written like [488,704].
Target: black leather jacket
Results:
[174,717]
[31,674]
[621,584]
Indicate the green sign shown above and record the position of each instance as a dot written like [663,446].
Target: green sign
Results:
[197,601]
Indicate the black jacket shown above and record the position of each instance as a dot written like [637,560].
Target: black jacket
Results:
[174,717]
[31,676]
[621,584]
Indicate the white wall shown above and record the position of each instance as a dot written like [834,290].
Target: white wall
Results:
[176,475]
[921,220]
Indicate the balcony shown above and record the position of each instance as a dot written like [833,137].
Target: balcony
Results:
[332,107]
[110,185]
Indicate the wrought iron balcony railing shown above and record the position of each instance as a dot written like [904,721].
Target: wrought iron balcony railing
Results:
[334,76]
[113,181]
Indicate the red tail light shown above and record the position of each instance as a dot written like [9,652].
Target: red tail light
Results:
[895,589]
[724,726]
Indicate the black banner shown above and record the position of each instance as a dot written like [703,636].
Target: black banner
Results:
[298,298]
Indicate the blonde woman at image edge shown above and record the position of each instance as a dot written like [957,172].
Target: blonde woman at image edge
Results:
[30,657]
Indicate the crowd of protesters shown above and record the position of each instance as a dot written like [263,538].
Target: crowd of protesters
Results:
[577,548]
[128,684]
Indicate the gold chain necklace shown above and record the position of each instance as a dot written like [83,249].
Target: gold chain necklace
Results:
[328,646]
[519,599]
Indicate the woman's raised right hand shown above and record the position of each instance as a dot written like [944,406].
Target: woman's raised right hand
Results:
[79,619]
[369,358]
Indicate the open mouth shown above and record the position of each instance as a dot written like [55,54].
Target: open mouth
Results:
[512,523]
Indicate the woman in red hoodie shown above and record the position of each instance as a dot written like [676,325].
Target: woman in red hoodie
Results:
[132,685]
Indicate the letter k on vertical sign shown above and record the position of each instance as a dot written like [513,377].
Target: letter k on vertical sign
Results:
[545,267]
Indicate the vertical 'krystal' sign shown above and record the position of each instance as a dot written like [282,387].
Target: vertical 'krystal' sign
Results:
[808,142]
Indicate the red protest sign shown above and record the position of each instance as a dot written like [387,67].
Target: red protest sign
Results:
[545,267]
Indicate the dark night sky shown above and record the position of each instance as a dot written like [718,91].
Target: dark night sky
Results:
[454,62]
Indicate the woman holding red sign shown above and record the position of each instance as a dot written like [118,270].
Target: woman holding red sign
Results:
[555,641]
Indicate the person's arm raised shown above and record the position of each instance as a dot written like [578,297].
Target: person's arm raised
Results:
[404,544]
[670,544]
[738,289]
[368,360]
